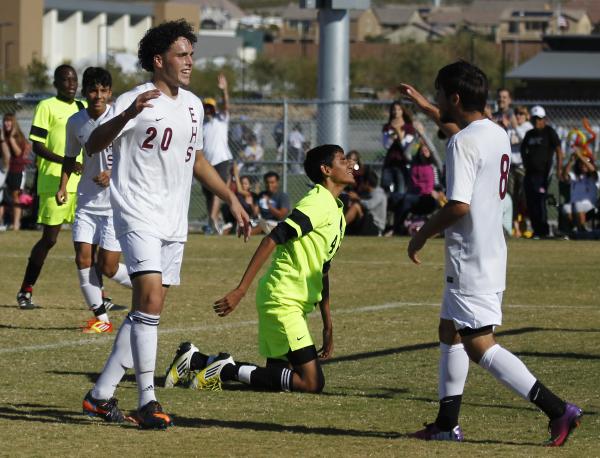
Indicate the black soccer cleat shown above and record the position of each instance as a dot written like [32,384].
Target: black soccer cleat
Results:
[151,416]
[102,408]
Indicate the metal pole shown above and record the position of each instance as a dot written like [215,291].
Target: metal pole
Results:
[334,58]
[285,145]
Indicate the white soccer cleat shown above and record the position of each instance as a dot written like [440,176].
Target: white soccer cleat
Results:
[209,377]
[179,369]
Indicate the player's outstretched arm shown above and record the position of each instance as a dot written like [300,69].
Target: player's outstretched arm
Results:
[230,301]
[326,350]
[222,84]
[442,219]
[432,112]
[206,173]
[104,134]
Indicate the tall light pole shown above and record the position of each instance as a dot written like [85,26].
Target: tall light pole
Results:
[4,61]
[334,67]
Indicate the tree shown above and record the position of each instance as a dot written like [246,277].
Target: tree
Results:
[37,75]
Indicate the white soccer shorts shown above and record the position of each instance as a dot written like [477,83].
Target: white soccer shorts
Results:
[472,311]
[95,230]
[145,252]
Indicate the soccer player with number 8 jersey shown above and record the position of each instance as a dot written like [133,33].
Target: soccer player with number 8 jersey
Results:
[156,133]
[477,165]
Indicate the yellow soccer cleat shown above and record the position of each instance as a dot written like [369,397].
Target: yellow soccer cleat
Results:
[95,326]
[209,377]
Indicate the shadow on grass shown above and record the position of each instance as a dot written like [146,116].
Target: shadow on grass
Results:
[431,345]
[382,393]
[93,376]
[41,414]
[40,328]
[186,422]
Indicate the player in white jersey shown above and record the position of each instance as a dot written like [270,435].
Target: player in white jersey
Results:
[93,218]
[477,167]
[156,132]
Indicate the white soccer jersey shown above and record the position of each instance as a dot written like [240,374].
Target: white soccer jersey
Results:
[153,159]
[216,146]
[91,197]
[477,167]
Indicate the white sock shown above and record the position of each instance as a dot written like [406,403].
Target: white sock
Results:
[144,343]
[508,369]
[122,277]
[244,373]
[88,282]
[453,370]
[117,364]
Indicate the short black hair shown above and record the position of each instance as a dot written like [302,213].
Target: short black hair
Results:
[94,76]
[270,174]
[466,80]
[502,89]
[159,39]
[318,156]
[63,68]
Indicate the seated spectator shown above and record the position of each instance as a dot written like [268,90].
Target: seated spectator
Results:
[581,173]
[241,186]
[367,210]
[359,169]
[422,196]
[274,205]
[251,154]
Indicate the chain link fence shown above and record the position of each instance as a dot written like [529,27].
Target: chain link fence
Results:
[274,135]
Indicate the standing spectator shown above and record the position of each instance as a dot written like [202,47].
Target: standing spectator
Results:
[48,135]
[296,144]
[274,205]
[581,173]
[540,145]
[19,149]
[398,133]
[504,115]
[216,149]
[367,211]
[517,172]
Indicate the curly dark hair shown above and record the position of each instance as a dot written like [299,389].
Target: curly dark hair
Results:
[159,39]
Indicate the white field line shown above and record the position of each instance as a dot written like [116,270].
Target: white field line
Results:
[240,324]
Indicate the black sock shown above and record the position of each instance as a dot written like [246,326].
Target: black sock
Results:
[547,401]
[198,361]
[448,414]
[99,310]
[229,372]
[32,272]
[272,378]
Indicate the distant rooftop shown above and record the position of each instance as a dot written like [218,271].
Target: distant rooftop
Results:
[555,65]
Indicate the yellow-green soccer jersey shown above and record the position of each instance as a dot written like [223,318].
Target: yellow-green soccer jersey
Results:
[295,276]
[49,126]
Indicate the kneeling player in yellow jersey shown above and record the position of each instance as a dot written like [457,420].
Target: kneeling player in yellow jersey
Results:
[295,283]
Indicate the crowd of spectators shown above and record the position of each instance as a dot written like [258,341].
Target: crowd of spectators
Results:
[391,198]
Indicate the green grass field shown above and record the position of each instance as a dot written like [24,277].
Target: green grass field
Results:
[380,385]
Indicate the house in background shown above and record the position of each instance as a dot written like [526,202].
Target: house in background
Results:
[569,69]
[401,24]
[301,25]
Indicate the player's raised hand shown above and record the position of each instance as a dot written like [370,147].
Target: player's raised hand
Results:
[142,101]
[414,246]
[326,350]
[61,197]
[409,92]
[228,303]
[222,82]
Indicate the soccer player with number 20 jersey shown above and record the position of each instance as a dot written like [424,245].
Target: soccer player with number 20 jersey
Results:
[156,132]
[477,166]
